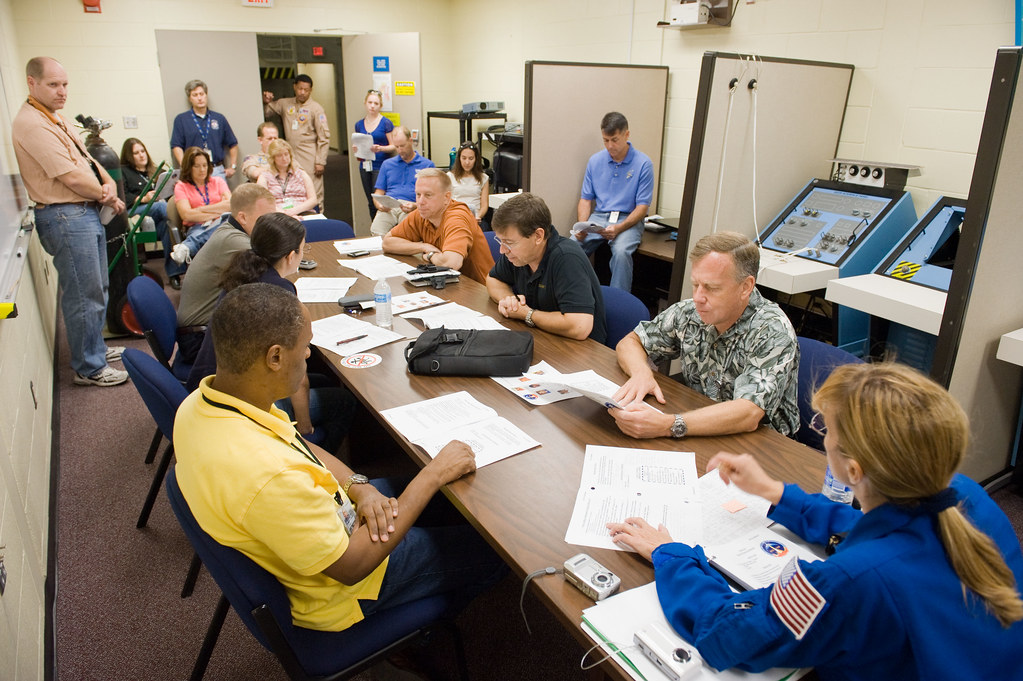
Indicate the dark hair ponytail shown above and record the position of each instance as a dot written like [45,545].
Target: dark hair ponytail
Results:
[274,236]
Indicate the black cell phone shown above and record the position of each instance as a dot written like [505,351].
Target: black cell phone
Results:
[357,254]
[351,301]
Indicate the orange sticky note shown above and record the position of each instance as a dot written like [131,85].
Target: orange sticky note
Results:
[733,506]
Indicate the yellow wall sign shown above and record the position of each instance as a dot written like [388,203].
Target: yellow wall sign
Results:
[392,116]
[404,87]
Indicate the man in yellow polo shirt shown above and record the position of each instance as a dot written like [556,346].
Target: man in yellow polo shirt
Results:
[342,550]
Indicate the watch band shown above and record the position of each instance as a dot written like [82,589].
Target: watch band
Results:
[353,479]
[679,428]
[428,256]
[529,318]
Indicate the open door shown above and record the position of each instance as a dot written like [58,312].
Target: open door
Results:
[363,71]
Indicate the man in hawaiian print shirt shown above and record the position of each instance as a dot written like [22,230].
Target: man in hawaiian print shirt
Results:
[735,347]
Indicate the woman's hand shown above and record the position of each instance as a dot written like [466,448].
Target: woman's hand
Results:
[746,473]
[639,535]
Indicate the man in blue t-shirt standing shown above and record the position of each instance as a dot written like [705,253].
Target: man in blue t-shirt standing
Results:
[397,179]
[206,129]
[618,188]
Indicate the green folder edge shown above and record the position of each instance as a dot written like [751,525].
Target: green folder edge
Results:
[617,651]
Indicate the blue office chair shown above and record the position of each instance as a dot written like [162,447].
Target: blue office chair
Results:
[495,248]
[622,312]
[816,362]
[162,394]
[306,654]
[155,314]
[327,230]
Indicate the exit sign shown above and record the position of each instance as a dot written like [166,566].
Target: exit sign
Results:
[257,3]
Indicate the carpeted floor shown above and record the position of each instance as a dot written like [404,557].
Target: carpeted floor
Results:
[119,614]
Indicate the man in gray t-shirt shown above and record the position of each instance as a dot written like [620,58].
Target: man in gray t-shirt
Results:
[200,287]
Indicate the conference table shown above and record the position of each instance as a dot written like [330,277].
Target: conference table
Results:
[522,505]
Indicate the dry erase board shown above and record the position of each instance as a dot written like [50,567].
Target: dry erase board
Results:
[564,102]
[795,116]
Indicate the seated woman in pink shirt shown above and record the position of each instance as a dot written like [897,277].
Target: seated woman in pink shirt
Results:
[291,186]
[201,199]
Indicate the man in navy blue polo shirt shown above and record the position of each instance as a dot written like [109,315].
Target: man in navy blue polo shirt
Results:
[397,179]
[206,129]
[618,188]
[544,279]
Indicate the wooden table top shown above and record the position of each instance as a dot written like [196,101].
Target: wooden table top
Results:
[522,505]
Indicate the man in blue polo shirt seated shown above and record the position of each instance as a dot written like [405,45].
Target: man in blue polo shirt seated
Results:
[544,279]
[618,188]
[397,179]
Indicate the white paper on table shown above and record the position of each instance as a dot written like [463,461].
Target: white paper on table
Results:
[442,313]
[618,618]
[323,289]
[754,560]
[376,266]
[719,522]
[421,419]
[592,385]
[328,331]
[492,440]
[369,243]
[363,144]
[618,483]
[408,302]
[314,216]
[482,323]
[534,385]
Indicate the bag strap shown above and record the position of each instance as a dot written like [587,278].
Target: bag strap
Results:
[428,342]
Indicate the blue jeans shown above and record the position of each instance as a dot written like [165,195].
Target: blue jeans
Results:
[73,235]
[198,235]
[622,248]
[432,560]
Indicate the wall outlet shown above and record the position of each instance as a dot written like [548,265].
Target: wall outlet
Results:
[131,122]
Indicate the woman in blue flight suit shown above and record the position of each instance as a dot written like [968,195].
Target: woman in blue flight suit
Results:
[925,582]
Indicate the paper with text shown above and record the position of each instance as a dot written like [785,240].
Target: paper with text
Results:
[376,266]
[347,336]
[323,289]
[369,243]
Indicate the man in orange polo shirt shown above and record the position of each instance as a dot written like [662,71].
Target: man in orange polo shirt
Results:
[444,231]
[68,188]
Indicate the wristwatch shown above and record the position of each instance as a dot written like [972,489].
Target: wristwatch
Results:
[354,479]
[234,166]
[679,428]
[428,256]
[529,318]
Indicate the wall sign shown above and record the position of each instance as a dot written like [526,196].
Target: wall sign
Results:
[405,87]
[258,3]
[381,64]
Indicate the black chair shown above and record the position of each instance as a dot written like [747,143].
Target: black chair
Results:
[816,362]
[622,313]
[306,654]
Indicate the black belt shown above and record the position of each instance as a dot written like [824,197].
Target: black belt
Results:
[86,204]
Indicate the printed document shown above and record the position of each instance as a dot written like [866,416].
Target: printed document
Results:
[434,423]
[363,144]
[375,266]
[346,335]
[369,243]
[323,289]
[619,483]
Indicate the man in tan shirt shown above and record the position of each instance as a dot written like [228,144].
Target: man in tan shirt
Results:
[305,129]
[445,232]
[69,188]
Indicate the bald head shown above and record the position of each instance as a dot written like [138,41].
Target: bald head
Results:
[47,82]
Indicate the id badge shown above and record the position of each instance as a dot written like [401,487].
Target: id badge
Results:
[294,124]
[367,166]
[208,152]
[346,511]
[613,219]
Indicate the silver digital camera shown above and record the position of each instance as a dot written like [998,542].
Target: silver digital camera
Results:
[673,656]
[590,577]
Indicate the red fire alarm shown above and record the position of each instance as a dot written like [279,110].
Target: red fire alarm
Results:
[92,6]
[317,51]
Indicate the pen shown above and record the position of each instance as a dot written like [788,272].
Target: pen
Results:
[353,338]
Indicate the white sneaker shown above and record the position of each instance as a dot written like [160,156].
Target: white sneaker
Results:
[181,255]
[104,378]
[114,353]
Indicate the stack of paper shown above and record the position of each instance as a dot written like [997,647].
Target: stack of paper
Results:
[348,336]
[370,243]
[376,266]
[434,423]
[413,301]
[323,289]
[543,384]
[454,316]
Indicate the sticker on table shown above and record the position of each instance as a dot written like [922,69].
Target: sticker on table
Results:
[363,360]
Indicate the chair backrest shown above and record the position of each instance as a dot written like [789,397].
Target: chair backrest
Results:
[160,390]
[495,248]
[327,230]
[622,312]
[155,314]
[816,362]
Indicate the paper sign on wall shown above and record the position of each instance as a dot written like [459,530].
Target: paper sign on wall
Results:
[393,117]
[382,83]
[405,87]
[381,64]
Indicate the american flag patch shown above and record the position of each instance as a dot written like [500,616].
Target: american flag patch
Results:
[795,601]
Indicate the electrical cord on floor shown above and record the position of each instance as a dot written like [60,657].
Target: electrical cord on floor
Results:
[525,583]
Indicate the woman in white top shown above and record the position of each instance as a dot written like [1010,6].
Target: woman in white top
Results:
[292,188]
[469,184]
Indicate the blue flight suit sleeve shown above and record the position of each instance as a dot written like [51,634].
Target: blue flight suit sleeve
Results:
[813,517]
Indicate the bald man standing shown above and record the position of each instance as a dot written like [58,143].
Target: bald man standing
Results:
[69,188]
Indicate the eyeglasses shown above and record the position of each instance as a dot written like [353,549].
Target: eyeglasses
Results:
[467,145]
[817,424]
[507,244]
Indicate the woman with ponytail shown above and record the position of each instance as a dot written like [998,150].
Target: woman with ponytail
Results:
[322,412]
[924,582]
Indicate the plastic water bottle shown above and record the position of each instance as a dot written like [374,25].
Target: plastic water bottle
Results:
[451,158]
[382,303]
[835,490]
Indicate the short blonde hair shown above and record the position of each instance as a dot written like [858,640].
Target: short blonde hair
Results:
[440,175]
[744,252]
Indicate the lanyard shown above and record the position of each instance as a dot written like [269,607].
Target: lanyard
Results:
[203,133]
[77,143]
[303,450]
[204,191]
